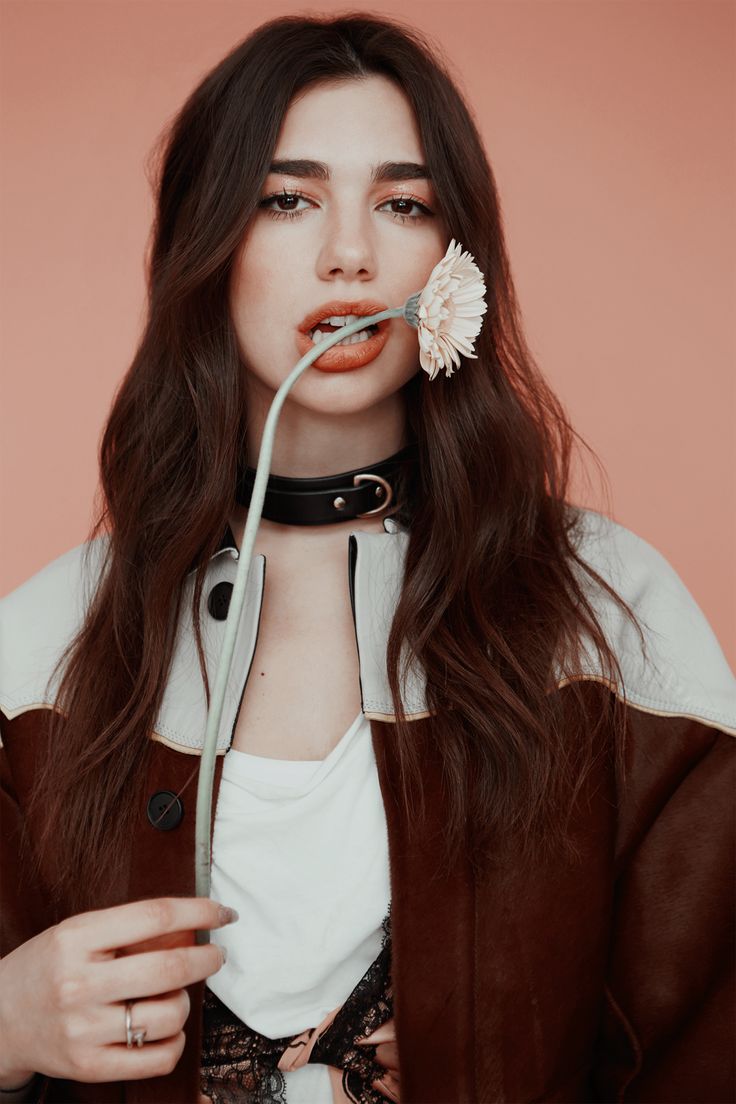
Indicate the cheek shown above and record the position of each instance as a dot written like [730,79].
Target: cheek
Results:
[259,278]
[255,291]
[407,343]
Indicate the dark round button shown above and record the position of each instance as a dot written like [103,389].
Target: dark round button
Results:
[218,602]
[165,810]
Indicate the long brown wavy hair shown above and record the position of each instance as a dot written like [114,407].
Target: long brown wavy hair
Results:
[491,593]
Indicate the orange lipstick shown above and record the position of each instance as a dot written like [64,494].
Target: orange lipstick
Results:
[344,358]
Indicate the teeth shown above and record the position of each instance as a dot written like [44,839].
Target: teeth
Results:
[319,335]
[342,319]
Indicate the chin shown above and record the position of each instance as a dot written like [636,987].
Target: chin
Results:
[350,391]
[339,392]
[341,402]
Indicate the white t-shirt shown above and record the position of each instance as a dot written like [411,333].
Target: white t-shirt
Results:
[300,849]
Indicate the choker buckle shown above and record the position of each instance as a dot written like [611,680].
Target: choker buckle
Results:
[382,484]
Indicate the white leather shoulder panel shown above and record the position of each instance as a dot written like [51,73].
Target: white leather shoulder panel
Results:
[182,718]
[379,572]
[37,621]
[39,618]
[686,672]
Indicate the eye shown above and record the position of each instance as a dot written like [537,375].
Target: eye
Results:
[409,201]
[285,197]
[294,212]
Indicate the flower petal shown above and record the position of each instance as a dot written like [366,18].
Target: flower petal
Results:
[450,311]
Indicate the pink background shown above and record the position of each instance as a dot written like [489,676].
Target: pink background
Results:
[610,129]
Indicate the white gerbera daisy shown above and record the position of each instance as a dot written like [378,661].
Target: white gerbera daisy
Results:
[448,312]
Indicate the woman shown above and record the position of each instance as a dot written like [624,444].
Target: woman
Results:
[498,871]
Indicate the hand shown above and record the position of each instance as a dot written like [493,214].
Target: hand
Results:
[387,1053]
[63,993]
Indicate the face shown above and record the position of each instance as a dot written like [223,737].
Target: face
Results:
[345,237]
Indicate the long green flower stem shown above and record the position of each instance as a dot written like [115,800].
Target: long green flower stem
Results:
[202,871]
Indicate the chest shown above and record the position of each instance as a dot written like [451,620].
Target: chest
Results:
[303,689]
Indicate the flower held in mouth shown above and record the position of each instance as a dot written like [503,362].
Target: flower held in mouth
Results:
[448,312]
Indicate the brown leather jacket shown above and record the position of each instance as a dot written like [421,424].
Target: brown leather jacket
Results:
[608,979]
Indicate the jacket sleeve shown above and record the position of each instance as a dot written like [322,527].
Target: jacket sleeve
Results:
[667,1024]
[21,901]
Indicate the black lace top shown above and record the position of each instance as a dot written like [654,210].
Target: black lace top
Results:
[241,1066]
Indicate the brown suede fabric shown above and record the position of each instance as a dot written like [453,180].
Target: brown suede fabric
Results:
[610,979]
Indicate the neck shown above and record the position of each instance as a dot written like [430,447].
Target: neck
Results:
[312,443]
[301,539]
[367,491]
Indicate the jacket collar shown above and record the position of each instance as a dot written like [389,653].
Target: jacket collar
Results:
[685,673]
[375,573]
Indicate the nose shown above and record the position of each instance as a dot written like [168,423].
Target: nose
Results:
[347,248]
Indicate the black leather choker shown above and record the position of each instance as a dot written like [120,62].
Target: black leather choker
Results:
[362,492]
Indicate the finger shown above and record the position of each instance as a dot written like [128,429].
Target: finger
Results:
[152,973]
[388,1055]
[162,1017]
[118,1062]
[122,925]
[158,943]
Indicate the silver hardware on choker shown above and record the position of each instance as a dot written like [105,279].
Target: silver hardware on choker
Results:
[320,500]
[382,488]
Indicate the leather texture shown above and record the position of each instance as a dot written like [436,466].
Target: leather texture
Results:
[685,673]
[324,500]
[607,979]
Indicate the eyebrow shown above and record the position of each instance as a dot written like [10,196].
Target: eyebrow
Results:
[384,171]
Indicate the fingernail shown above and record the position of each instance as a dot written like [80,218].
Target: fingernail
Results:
[224,955]
[228,915]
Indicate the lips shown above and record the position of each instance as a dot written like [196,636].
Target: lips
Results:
[340,307]
[343,358]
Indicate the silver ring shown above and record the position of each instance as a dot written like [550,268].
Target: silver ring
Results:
[134,1036]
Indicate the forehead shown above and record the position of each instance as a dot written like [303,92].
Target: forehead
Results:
[336,120]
